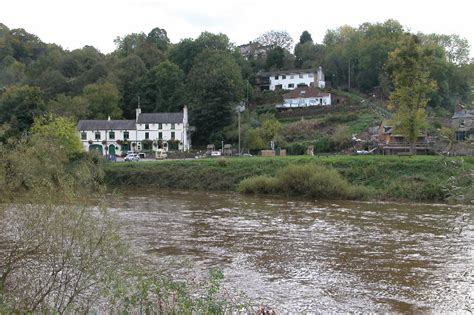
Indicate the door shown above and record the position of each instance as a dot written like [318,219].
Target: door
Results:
[96,148]
[112,150]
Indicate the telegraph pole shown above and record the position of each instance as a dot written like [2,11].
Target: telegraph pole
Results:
[239,132]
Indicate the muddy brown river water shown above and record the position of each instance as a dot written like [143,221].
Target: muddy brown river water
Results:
[311,256]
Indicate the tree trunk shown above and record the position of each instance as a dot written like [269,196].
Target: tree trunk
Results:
[412,147]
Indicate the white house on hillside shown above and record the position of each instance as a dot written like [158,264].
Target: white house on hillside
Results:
[291,79]
[304,97]
[147,133]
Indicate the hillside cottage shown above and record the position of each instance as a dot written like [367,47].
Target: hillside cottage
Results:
[290,80]
[146,134]
[463,123]
[393,143]
[304,97]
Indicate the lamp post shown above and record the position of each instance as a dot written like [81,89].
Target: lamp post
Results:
[239,108]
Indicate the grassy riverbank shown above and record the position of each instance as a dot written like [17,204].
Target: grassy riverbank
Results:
[421,178]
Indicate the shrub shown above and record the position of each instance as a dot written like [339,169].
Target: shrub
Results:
[303,180]
[415,188]
[258,185]
[296,149]
[222,162]
[324,144]
[314,181]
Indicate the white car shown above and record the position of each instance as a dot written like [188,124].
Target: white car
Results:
[132,157]
[216,153]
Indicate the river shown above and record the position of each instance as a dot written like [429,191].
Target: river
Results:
[311,256]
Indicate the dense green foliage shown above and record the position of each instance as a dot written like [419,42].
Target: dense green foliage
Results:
[380,177]
[208,73]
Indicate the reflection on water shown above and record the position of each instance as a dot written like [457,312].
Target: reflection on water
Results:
[300,255]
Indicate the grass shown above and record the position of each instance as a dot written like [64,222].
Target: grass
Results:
[421,178]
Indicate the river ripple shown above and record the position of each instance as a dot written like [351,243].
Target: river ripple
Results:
[311,256]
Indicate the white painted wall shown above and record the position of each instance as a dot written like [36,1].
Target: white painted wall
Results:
[315,79]
[305,102]
[286,79]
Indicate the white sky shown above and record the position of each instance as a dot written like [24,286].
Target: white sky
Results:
[76,23]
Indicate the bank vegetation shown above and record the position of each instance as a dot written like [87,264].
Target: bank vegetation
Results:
[416,178]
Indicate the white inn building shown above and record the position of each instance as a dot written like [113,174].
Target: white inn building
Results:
[147,133]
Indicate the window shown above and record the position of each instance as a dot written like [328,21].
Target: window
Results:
[291,85]
[292,76]
[172,135]
[147,135]
[147,126]
[301,76]
[83,135]
[276,77]
[283,77]
[310,75]
[160,135]
[460,135]
[111,135]
[97,135]
[160,126]
[278,87]
[172,126]
[126,136]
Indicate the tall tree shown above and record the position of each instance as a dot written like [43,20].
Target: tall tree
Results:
[276,39]
[129,72]
[305,37]
[102,101]
[408,66]
[162,88]
[19,105]
[308,55]
[275,59]
[214,85]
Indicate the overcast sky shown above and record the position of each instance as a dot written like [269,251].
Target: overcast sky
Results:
[76,23]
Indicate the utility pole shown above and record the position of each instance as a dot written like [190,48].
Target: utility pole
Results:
[240,108]
[239,131]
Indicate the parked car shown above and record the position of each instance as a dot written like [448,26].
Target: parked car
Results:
[132,157]
[216,153]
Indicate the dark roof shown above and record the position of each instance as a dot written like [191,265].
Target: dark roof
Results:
[155,118]
[464,113]
[105,124]
[305,92]
[295,71]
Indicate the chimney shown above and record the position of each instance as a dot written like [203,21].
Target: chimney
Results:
[185,115]
[138,112]
[108,118]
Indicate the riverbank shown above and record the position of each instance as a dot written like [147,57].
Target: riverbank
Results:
[417,178]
